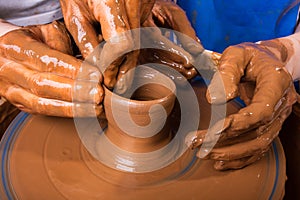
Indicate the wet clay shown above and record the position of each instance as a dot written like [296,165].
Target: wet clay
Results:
[172,16]
[29,46]
[139,120]
[139,125]
[249,70]
[91,22]
[139,108]
[111,21]
[48,157]
[44,72]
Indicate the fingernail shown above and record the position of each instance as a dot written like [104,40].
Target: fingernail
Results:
[203,152]
[124,82]
[219,165]
[195,47]
[95,76]
[120,87]
[191,139]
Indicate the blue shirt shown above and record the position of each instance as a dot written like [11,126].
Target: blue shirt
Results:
[220,23]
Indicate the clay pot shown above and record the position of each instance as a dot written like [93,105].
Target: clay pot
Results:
[138,137]
[138,121]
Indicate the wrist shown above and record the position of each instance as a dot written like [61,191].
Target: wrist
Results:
[287,50]
[293,63]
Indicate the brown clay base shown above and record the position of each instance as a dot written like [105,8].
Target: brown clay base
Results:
[48,161]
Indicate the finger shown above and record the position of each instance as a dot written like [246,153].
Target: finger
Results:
[49,85]
[119,40]
[169,59]
[112,16]
[244,145]
[175,17]
[55,35]
[109,66]
[126,72]
[226,154]
[207,60]
[266,103]
[31,52]
[231,133]
[159,12]
[116,59]
[81,24]
[232,64]
[28,102]
[185,32]
[145,10]
[236,164]
[152,38]
[246,91]
[221,134]
[135,10]
[208,137]
[256,146]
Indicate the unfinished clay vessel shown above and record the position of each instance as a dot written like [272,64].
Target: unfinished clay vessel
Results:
[138,137]
[138,121]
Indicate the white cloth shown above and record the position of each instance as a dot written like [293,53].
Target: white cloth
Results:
[29,12]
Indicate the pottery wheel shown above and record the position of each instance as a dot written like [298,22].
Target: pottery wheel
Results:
[43,158]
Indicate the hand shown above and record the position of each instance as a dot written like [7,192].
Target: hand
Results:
[167,14]
[91,22]
[38,74]
[256,73]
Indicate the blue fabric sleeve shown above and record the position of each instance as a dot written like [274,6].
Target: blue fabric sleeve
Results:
[220,23]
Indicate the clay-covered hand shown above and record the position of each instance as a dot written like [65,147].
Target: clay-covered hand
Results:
[169,16]
[92,21]
[257,73]
[38,74]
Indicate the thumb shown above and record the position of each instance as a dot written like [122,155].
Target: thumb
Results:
[221,89]
[224,84]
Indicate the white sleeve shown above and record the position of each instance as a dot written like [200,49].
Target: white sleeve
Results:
[29,12]
[293,64]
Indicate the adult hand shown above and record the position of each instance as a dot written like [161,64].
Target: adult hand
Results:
[91,22]
[256,73]
[169,16]
[38,74]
